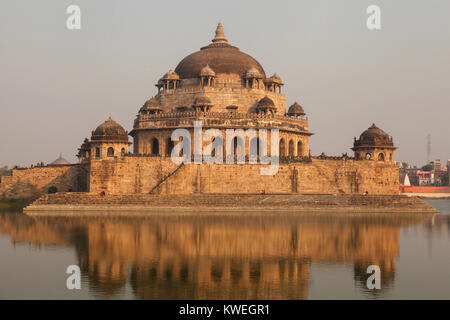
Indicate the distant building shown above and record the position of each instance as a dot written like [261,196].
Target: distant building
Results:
[439,171]
[60,161]
[426,178]
[448,171]
[4,171]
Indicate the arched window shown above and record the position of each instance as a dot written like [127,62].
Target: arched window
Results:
[291,148]
[299,149]
[97,152]
[381,157]
[368,156]
[169,146]
[282,148]
[390,156]
[110,152]
[122,152]
[155,146]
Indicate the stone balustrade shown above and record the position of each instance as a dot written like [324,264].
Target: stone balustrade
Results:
[221,119]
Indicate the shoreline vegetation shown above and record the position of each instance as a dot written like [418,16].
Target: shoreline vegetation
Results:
[14,205]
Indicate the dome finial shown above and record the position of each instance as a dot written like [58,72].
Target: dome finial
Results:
[220,34]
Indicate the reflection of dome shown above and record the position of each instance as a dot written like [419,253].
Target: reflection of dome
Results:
[60,161]
[110,130]
[220,56]
[296,109]
[374,136]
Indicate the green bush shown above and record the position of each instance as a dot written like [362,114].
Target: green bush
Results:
[52,189]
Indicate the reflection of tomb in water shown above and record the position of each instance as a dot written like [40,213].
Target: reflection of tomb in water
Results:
[217,257]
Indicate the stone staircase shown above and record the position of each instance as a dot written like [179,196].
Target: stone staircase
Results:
[166,177]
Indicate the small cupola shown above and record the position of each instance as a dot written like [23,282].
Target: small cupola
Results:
[207,76]
[202,104]
[295,110]
[266,106]
[274,83]
[169,81]
[253,79]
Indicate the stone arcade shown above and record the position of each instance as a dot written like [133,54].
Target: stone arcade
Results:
[223,88]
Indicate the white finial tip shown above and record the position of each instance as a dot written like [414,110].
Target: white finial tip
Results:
[220,34]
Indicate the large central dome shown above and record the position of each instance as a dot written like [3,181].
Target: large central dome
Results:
[221,57]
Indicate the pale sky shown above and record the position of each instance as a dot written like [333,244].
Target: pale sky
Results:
[57,85]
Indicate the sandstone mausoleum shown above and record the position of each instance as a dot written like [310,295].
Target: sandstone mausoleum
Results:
[224,89]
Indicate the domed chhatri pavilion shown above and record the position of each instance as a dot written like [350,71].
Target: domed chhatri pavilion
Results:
[223,88]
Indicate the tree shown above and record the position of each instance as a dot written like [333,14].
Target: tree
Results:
[428,167]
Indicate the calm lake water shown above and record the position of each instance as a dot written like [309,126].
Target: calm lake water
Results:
[236,256]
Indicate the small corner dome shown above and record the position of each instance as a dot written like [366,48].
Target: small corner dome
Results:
[374,131]
[295,109]
[207,72]
[60,161]
[110,130]
[266,102]
[374,136]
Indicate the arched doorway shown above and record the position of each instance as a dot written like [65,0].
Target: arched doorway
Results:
[299,149]
[110,152]
[169,146]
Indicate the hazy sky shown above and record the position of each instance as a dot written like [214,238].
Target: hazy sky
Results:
[57,85]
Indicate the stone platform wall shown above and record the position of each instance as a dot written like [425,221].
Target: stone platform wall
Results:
[33,182]
[138,174]
[159,175]
[128,175]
